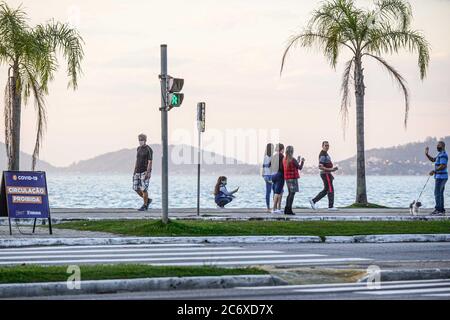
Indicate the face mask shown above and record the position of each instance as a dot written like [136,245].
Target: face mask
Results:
[440,149]
[224,182]
[141,143]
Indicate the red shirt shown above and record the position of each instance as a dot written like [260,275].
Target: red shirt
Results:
[291,169]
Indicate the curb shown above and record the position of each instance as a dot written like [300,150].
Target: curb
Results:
[26,242]
[134,285]
[389,238]
[409,274]
[4,221]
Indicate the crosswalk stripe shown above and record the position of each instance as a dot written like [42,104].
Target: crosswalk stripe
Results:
[106,246]
[332,285]
[204,253]
[128,250]
[243,262]
[187,257]
[438,295]
[375,291]
[408,291]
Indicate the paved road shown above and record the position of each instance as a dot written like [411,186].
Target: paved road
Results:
[391,255]
[174,255]
[343,254]
[424,290]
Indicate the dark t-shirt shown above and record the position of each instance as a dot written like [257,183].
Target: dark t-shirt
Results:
[325,160]
[144,154]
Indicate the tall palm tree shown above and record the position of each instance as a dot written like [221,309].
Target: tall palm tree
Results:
[31,57]
[339,25]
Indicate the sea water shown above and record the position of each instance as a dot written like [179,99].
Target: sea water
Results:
[115,191]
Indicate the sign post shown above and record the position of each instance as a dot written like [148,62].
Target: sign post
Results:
[24,196]
[201,128]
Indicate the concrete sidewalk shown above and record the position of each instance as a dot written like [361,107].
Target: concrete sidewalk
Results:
[399,214]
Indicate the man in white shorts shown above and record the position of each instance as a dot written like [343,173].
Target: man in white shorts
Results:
[143,171]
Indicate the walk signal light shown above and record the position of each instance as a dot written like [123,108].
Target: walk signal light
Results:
[174,96]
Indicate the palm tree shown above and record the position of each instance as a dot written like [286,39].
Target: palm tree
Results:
[31,57]
[339,25]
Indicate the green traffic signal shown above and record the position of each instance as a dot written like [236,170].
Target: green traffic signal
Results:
[175,99]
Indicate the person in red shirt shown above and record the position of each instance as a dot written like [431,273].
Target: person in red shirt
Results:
[291,168]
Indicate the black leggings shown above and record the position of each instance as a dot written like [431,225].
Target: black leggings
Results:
[289,202]
[328,189]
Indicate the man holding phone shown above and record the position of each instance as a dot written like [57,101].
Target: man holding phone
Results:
[440,174]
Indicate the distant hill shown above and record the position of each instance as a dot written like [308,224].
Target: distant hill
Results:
[407,159]
[182,160]
[25,161]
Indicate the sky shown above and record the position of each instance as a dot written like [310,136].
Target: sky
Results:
[229,54]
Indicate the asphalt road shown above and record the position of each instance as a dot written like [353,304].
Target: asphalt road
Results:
[390,255]
[399,290]
[348,256]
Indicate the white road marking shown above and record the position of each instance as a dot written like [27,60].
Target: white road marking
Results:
[128,250]
[438,295]
[106,246]
[332,285]
[243,262]
[204,255]
[374,291]
[408,291]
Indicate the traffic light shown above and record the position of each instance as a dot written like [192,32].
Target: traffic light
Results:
[174,86]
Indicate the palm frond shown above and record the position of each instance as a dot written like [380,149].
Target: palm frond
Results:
[31,84]
[330,44]
[400,81]
[393,11]
[391,41]
[62,37]
[345,90]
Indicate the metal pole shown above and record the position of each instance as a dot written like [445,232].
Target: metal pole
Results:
[164,106]
[198,173]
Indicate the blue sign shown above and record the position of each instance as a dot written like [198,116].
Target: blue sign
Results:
[26,195]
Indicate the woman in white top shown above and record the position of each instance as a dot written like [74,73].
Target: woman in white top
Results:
[267,174]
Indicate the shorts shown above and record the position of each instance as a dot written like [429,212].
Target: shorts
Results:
[278,183]
[292,185]
[140,183]
[268,178]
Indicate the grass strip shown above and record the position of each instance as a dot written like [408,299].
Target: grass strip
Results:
[32,273]
[149,228]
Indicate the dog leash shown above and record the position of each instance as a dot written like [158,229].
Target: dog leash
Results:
[423,188]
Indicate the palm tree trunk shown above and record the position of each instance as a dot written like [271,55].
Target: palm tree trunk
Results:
[361,192]
[14,162]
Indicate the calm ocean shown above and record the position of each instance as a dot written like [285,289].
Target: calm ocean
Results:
[114,191]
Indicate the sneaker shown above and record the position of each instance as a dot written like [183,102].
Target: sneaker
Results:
[143,208]
[313,205]
[333,209]
[290,213]
[276,211]
[437,213]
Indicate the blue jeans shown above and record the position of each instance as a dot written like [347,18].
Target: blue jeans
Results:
[268,180]
[439,194]
[223,201]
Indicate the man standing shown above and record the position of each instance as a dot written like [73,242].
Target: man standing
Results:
[326,168]
[143,171]
[440,173]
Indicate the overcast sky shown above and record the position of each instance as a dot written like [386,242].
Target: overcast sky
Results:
[229,54]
